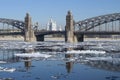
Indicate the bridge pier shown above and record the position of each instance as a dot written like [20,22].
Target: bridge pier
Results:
[40,37]
[69,29]
[29,32]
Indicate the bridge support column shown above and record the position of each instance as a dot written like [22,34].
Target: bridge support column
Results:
[29,32]
[80,38]
[40,37]
[69,28]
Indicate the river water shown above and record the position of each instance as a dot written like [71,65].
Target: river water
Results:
[89,60]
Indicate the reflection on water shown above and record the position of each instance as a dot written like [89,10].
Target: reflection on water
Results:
[27,63]
[69,64]
[61,65]
[27,60]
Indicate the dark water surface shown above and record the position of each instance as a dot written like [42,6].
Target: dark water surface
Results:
[62,65]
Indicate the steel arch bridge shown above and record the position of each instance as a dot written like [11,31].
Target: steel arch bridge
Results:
[87,24]
[15,23]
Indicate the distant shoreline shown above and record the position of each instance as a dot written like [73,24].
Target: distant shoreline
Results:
[11,38]
[85,39]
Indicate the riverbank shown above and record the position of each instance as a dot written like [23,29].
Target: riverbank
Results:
[85,39]
[11,38]
[21,38]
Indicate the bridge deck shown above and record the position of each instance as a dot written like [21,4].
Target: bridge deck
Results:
[97,33]
[63,33]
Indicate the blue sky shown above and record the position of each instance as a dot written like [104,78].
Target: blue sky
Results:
[42,10]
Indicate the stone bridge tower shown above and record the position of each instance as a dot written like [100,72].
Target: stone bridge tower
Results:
[69,28]
[29,32]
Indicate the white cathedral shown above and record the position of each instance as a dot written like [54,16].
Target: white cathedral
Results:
[51,25]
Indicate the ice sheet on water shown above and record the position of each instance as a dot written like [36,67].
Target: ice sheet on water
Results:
[7,69]
[16,45]
[108,59]
[100,58]
[92,45]
[37,54]
[85,52]
[1,62]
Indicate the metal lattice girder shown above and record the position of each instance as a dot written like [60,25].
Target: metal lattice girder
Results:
[16,23]
[90,23]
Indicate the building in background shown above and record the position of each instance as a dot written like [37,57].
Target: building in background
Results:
[60,28]
[51,25]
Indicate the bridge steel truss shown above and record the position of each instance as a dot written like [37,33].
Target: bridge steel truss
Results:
[15,23]
[91,23]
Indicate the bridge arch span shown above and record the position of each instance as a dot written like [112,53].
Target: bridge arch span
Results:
[16,23]
[90,23]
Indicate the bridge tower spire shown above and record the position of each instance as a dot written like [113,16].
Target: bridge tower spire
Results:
[69,28]
[29,32]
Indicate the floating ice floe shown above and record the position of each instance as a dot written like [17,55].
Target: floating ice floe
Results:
[100,58]
[37,54]
[85,52]
[2,62]
[109,59]
[7,69]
